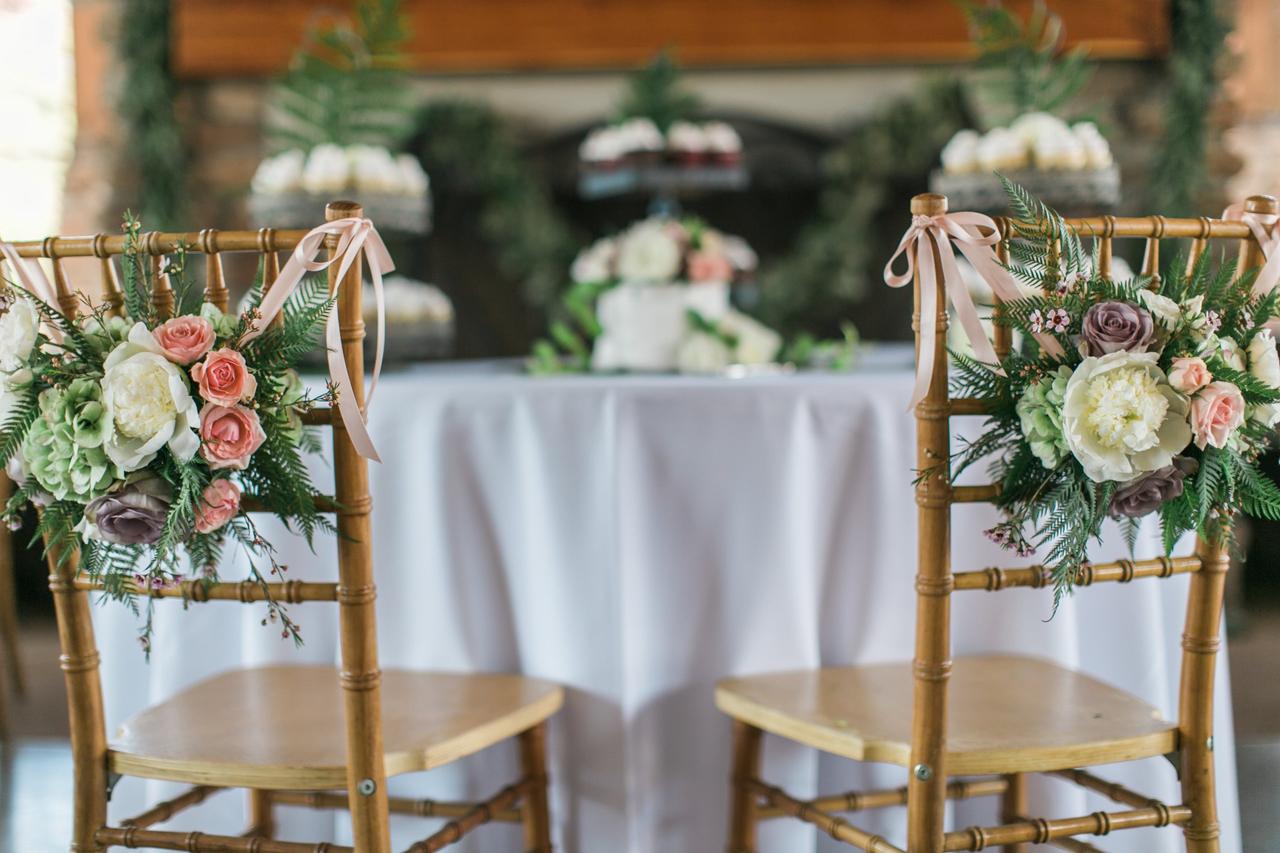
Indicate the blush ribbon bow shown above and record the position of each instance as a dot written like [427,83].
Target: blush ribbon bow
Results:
[975,234]
[355,235]
[1265,229]
[32,279]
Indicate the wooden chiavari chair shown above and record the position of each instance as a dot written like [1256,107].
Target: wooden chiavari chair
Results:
[246,728]
[997,718]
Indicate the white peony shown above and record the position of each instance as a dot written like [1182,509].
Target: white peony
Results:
[1121,417]
[595,263]
[328,169]
[280,174]
[703,353]
[1163,309]
[757,343]
[649,252]
[1264,365]
[18,329]
[147,402]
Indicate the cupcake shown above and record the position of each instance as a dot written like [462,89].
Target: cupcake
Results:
[687,143]
[724,145]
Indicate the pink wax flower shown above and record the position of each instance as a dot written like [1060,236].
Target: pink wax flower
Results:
[229,435]
[218,505]
[224,378]
[1216,412]
[185,339]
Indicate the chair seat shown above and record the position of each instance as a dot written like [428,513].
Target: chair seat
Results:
[1006,715]
[281,727]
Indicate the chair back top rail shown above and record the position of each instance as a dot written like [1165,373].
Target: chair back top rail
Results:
[206,241]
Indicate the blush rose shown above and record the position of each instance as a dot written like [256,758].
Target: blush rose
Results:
[185,339]
[709,266]
[218,505]
[1216,412]
[1189,375]
[229,435]
[224,378]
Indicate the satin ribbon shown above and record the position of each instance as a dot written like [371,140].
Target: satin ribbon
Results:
[354,236]
[32,279]
[966,231]
[1268,240]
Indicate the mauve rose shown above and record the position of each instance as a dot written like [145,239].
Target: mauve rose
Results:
[1115,326]
[229,435]
[1145,495]
[184,339]
[134,515]
[218,505]
[224,378]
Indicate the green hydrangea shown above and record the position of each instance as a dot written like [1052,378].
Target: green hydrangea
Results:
[224,325]
[64,448]
[106,332]
[1040,412]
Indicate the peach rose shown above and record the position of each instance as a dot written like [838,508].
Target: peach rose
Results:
[223,378]
[1189,375]
[218,505]
[184,339]
[229,435]
[1216,412]
[709,266]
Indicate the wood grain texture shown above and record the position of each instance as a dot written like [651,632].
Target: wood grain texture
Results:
[1007,715]
[213,38]
[429,719]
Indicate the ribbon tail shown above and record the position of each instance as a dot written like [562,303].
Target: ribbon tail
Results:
[966,310]
[928,323]
[352,418]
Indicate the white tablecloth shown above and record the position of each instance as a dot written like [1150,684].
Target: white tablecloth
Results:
[636,539]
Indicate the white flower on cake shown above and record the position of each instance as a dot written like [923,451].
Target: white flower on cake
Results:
[756,342]
[147,403]
[594,263]
[1121,418]
[650,252]
[702,353]
[18,329]
[1264,365]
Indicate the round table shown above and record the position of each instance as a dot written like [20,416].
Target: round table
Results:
[637,538]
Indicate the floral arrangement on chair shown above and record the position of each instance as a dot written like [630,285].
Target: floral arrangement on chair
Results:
[137,435]
[1164,394]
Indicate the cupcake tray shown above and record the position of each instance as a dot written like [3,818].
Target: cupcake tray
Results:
[1092,191]
[404,214]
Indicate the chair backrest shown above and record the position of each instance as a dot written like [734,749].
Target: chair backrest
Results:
[354,591]
[935,495]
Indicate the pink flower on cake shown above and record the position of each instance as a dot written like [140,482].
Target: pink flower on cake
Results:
[1216,412]
[1189,375]
[185,339]
[709,266]
[224,378]
[230,435]
[218,505]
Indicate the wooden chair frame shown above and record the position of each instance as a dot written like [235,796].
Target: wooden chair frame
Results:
[929,786]
[366,796]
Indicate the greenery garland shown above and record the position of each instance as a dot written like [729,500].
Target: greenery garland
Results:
[1199,41]
[146,104]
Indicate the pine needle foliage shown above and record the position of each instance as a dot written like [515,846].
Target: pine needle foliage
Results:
[1049,502]
[346,84]
[657,92]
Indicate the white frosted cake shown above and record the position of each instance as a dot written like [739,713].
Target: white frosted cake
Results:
[645,324]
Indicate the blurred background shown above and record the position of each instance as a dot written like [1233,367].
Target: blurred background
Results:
[490,141]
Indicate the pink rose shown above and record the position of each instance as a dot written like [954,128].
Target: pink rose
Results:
[1216,412]
[709,266]
[218,505]
[185,339]
[1189,375]
[224,378]
[229,435]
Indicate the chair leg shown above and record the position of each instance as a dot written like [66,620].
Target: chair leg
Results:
[262,823]
[1200,643]
[535,814]
[1013,806]
[9,602]
[742,802]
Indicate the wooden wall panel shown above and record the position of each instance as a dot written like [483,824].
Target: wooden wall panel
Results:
[255,37]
